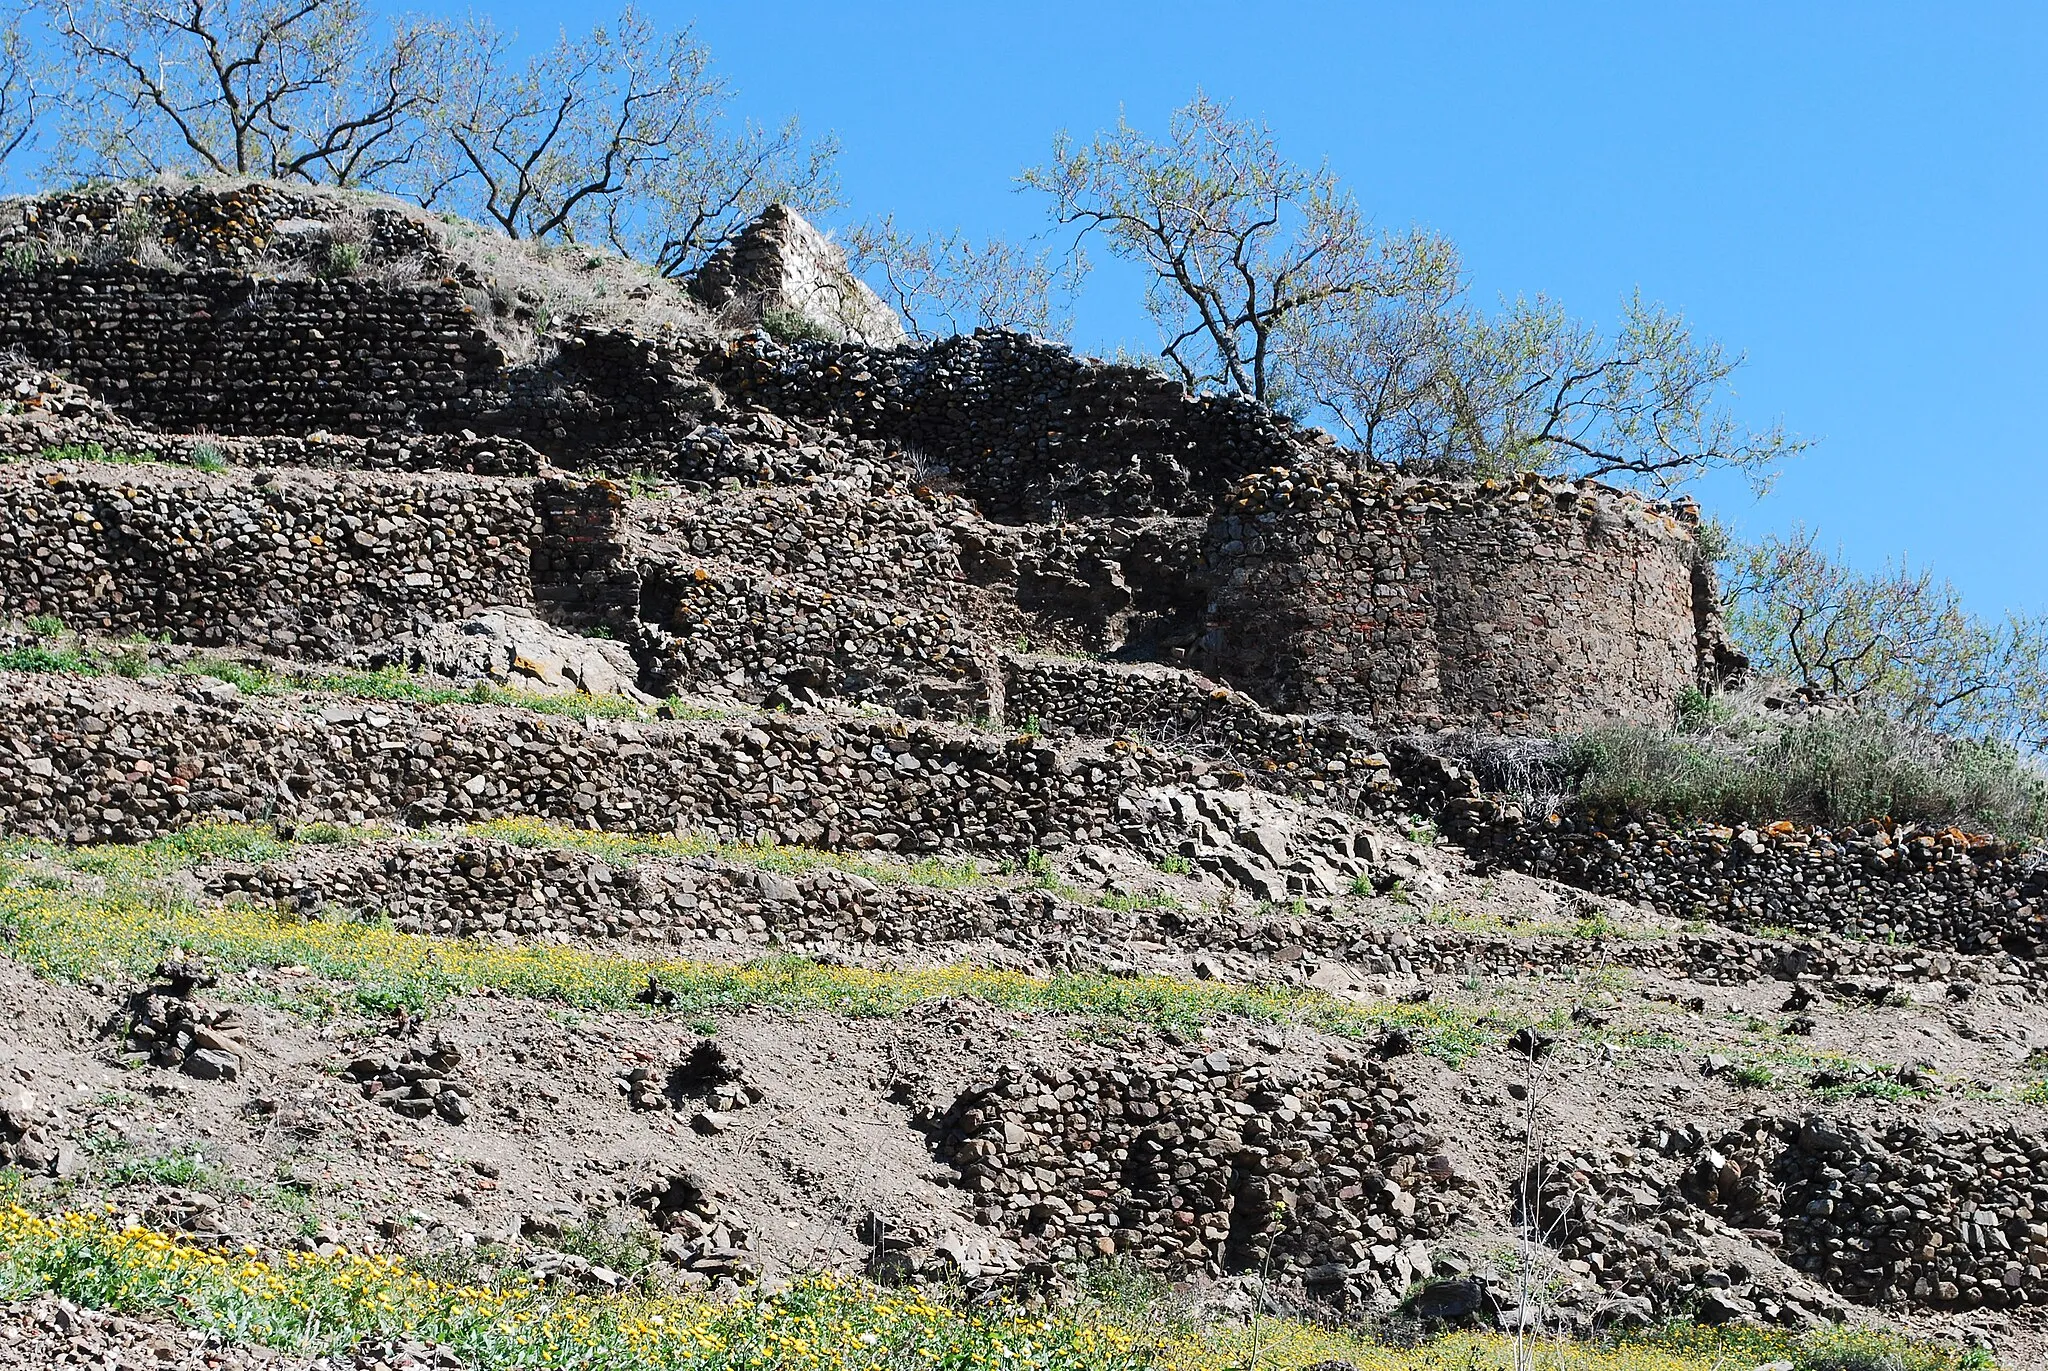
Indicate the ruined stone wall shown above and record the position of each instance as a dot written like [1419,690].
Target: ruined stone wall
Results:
[581,576]
[850,536]
[1025,426]
[1920,885]
[1205,1161]
[218,348]
[99,760]
[296,563]
[1901,1215]
[719,629]
[487,887]
[1538,608]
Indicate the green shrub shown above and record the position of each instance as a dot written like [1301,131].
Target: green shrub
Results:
[1829,768]
[37,658]
[786,325]
[340,260]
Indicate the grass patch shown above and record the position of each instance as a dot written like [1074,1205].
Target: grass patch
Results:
[207,841]
[73,936]
[1889,1091]
[620,849]
[98,453]
[64,661]
[184,1169]
[311,1305]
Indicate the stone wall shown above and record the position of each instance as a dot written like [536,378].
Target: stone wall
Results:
[1025,426]
[1332,761]
[1904,1215]
[1203,1161]
[217,348]
[481,887]
[1536,608]
[106,761]
[470,886]
[299,564]
[848,535]
[1918,885]
[718,629]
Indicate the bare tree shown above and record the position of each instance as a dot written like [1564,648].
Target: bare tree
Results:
[1422,380]
[619,137]
[23,84]
[948,283]
[1267,280]
[314,90]
[1900,641]
[1238,239]
[693,204]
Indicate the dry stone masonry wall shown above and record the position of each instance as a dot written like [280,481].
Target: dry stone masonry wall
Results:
[1024,425]
[1917,885]
[845,535]
[758,636]
[488,887]
[1205,1161]
[1415,603]
[1889,1215]
[101,760]
[226,350]
[299,564]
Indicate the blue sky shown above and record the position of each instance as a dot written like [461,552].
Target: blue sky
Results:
[1855,195]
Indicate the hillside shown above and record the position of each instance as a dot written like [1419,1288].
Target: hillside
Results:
[521,765]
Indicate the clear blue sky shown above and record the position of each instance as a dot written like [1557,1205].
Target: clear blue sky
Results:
[1854,194]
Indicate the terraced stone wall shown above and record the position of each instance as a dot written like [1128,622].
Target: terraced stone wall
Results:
[300,564]
[756,636]
[1902,1215]
[1328,760]
[846,535]
[1917,885]
[1412,603]
[1202,1160]
[99,760]
[475,886]
[220,349]
[1024,425]
[482,887]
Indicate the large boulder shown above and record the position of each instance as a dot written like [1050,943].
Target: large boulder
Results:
[505,646]
[781,265]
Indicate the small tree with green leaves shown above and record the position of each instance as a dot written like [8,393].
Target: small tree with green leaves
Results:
[1899,641]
